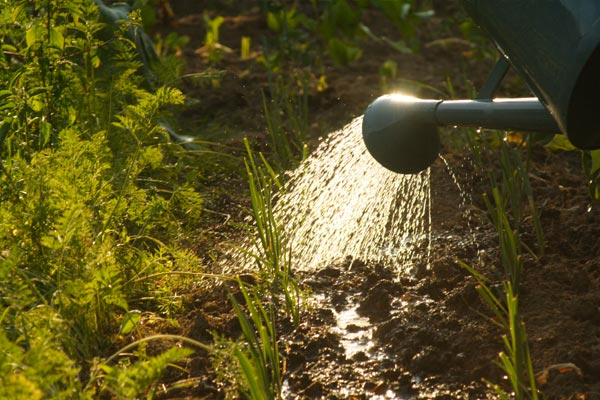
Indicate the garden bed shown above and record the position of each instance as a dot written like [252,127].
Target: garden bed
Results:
[429,334]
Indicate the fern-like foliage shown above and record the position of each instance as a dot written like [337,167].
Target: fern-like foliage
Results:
[131,381]
[93,204]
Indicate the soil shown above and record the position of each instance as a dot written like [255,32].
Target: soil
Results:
[426,334]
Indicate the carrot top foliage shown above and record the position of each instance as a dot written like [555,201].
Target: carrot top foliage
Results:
[94,202]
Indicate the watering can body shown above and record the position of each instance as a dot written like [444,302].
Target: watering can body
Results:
[552,44]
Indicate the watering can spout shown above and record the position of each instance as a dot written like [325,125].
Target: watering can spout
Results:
[401,132]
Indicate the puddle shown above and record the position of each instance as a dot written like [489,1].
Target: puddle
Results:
[356,334]
[355,331]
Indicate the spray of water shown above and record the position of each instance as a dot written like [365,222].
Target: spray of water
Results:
[341,203]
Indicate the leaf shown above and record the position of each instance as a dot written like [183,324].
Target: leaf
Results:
[33,35]
[389,69]
[7,105]
[212,29]
[46,131]
[9,47]
[595,165]
[130,321]
[257,390]
[6,100]
[399,46]
[560,142]
[16,12]
[273,22]
[425,14]
[4,126]
[245,47]
[37,103]
[94,58]
[282,20]
[342,53]
[56,39]
[344,18]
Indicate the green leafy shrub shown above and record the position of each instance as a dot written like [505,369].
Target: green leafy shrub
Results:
[93,198]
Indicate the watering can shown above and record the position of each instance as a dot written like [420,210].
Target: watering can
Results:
[552,44]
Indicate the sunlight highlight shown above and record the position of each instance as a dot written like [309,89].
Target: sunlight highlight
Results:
[403,97]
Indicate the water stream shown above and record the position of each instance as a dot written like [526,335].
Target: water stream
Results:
[341,203]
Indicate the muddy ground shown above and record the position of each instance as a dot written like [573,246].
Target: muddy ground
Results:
[425,334]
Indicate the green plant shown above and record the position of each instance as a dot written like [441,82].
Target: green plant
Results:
[510,245]
[290,44]
[211,41]
[134,379]
[342,52]
[229,377]
[245,42]
[93,196]
[39,97]
[482,48]
[338,26]
[516,188]
[516,359]
[250,366]
[137,373]
[260,361]
[335,28]
[505,211]
[511,204]
[257,355]
[33,364]
[387,74]
[271,252]
[406,15]
[590,161]
[286,115]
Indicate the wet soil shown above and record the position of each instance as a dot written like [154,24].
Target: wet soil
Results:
[425,333]
[432,337]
